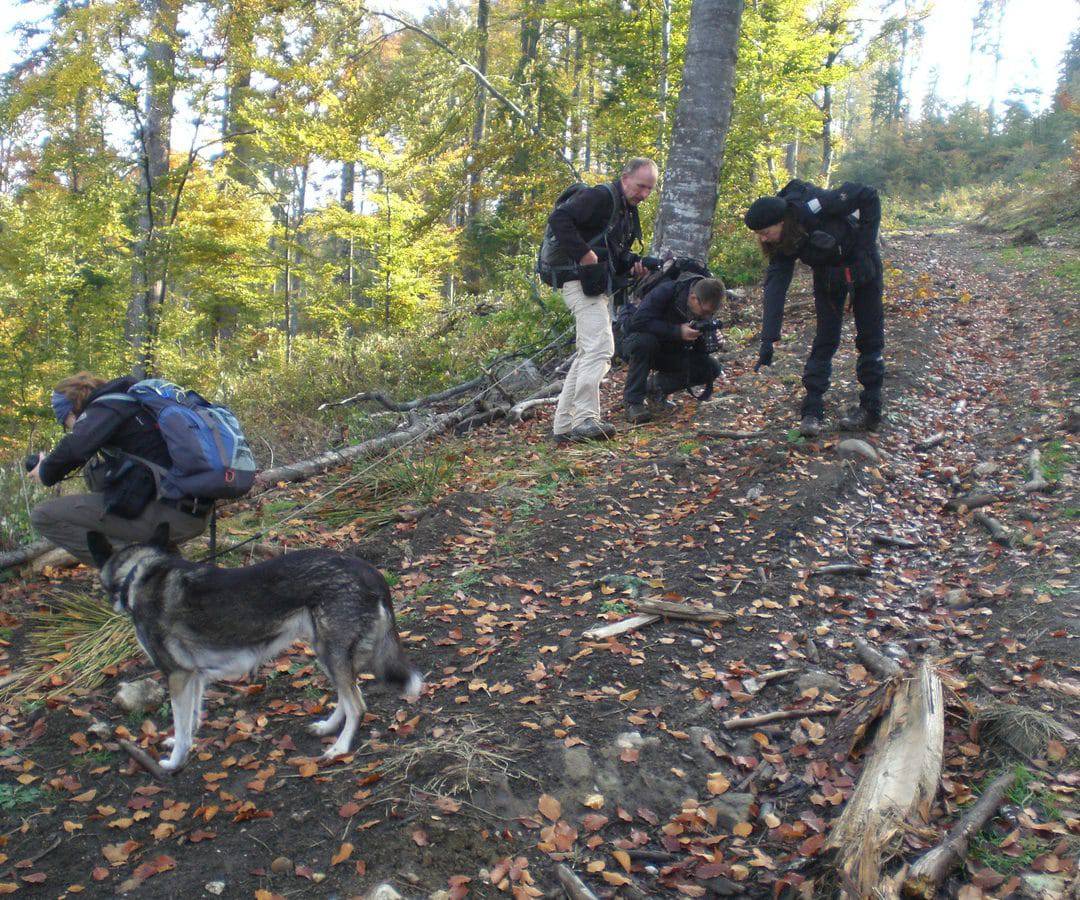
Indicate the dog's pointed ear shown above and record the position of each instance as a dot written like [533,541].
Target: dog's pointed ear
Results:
[160,537]
[99,547]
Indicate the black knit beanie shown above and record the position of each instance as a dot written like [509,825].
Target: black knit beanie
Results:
[765,211]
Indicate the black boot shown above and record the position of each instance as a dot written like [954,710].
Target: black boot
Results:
[859,418]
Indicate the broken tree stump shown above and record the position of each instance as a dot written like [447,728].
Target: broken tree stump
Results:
[899,780]
[925,877]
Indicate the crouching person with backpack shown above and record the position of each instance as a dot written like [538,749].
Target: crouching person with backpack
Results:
[151,453]
[673,334]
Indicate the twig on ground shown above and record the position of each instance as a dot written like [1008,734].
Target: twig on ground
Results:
[931,442]
[681,611]
[841,569]
[10,873]
[971,501]
[998,532]
[575,888]
[1038,480]
[778,715]
[891,540]
[877,661]
[145,760]
[925,877]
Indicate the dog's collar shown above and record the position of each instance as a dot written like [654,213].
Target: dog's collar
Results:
[129,579]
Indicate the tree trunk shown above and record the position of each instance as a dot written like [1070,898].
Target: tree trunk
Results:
[148,287]
[791,158]
[662,81]
[345,247]
[239,48]
[684,223]
[472,271]
[826,134]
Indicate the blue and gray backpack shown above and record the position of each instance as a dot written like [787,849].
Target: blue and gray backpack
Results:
[210,456]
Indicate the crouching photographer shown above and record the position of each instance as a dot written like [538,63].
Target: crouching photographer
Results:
[672,334]
[115,433]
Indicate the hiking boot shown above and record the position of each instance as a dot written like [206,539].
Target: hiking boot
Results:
[592,430]
[638,414]
[562,438]
[656,398]
[859,418]
[810,426]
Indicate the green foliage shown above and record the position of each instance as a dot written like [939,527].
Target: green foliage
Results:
[13,796]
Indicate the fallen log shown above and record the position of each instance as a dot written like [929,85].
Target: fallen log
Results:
[575,888]
[925,877]
[620,627]
[394,406]
[998,532]
[1038,480]
[307,468]
[24,554]
[899,780]
[841,569]
[681,611]
[971,501]
[57,558]
[476,420]
[931,442]
[779,715]
[878,662]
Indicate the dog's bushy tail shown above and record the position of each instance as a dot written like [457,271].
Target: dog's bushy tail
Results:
[392,666]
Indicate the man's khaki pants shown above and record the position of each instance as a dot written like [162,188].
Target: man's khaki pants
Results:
[580,397]
[67,520]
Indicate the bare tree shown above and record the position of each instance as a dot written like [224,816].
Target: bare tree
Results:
[684,223]
[148,273]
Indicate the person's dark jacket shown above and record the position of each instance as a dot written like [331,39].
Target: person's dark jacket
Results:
[110,425]
[586,215]
[663,312]
[820,210]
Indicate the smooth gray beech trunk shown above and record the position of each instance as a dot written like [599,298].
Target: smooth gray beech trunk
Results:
[684,223]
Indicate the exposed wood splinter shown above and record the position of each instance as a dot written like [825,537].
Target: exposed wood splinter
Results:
[1038,482]
[998,532]
[875,660]
[681,611]
[575,888]
[841,569]
[621,627]
[899,781]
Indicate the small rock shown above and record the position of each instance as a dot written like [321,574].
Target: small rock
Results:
[755,492]
[854,448]
[956,597]
[281,866]
[410,877]
[732,808]
[1039,886]
[894,650]
[724,887]
[217,888]
[986,468]
[977,659]
[6,733]
[439,895]
[142,696]
[697,643]
[101,730]
[577,765]
[383,891]
[628,740]
[823,681]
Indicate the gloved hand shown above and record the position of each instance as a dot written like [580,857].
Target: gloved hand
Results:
[764,356]
[865,269]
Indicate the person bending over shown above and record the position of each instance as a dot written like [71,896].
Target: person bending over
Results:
[835,233]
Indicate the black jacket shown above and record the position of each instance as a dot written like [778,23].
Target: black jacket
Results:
[663,312]
[106,425]
[820,210]
[586,215]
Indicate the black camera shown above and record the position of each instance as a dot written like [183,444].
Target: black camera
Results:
[709,341]
[31,461]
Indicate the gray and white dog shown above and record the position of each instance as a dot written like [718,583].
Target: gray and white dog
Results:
[199,623]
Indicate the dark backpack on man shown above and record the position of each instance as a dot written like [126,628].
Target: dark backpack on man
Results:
[552,264]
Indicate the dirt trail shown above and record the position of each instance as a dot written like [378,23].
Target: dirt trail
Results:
[534,745]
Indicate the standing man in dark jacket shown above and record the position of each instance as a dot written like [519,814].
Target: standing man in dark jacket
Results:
[662,339]
[123,503]
[586,250]
[836,234]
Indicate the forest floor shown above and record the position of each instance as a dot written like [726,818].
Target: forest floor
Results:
[533,745]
